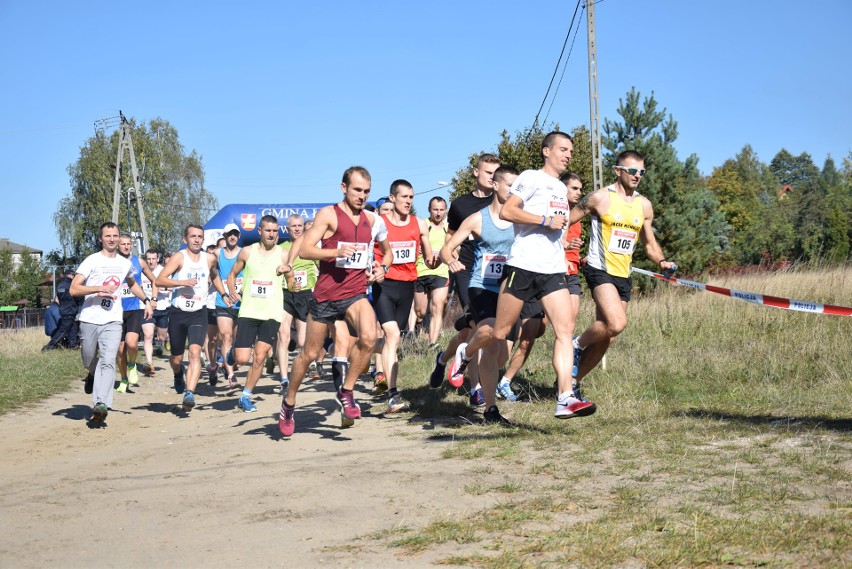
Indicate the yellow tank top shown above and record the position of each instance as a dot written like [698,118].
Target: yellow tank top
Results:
[437,238]
[262,297]
[614,234]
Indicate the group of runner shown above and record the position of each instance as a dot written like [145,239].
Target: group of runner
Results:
[512,245]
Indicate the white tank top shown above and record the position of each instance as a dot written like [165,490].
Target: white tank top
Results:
[187,298]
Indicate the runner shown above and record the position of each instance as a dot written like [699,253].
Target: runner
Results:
[152,260]
[538,206]
[208,351]
[262,267]
[161,313]
[340,294]
[67,332]
[392,298]
[620,215]
[460,209]
[300,283]
[133,316]
[494,238]
[432,289]
[188,273]
[98,279]
[226,316]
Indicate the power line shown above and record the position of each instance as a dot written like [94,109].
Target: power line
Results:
[564,67]
[558,61]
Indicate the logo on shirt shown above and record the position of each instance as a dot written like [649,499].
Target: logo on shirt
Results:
[248,221]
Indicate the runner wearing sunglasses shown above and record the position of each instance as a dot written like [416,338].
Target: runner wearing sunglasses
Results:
[620,216]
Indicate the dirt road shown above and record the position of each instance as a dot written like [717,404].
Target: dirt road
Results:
[217,487]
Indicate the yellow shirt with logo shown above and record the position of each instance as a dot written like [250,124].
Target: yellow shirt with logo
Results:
[437,238]
[614,234]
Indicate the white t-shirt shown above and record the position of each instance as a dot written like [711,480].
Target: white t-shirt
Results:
[99,270]
[187,298]
[539,249]
[164,295]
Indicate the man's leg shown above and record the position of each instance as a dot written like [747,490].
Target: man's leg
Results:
[316,333]
[108,339]
[131,352]
[531,330]
[610,321]
[361,317]
[282,351]
[562,322]
[226,337]
[390,359]
[148,345]
[437,307]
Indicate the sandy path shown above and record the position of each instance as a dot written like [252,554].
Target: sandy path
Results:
[217,487]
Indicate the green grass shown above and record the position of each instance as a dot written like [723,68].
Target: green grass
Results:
[722,438]
[28,375]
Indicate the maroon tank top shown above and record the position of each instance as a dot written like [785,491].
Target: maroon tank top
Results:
[344,278]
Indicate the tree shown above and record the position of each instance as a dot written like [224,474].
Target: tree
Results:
[524,153]
[173,193]
[687,222]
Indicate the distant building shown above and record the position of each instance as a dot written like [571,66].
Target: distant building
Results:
[18,251]
[783,191]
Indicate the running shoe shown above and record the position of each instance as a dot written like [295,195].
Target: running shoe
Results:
[246,405]
[577,353]
[179,384]
[270,366]
[477,399]
[286,419]
[397,404]
[232,381]
[458,365]
[99,412]
[570,406]
[492,416]
[188,401]
[89,384]
[213,372]
[168,347]
[313,372]
[349,410]
[158,351]
[124,387]
[579,395]
[133,376]
[436,378]
[380,385]
[504,391]
[149,370]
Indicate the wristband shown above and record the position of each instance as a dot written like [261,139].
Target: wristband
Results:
[543,219]
[550,223]
[228,294]
[661,262]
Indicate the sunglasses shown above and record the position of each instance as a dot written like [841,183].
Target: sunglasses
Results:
[632,171]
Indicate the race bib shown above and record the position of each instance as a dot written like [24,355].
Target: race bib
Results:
[106,303]
[492,266]
[622,241]
[358,260]
[557,207]
[187,303]
[239,284]
[403,252]
[300,278]
[125,291]
[148,287]
[260,289]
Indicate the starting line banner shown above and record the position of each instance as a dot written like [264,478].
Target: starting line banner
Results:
[754,298]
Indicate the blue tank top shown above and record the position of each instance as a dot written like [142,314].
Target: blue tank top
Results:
[225,266]
[490,252]
[128,299]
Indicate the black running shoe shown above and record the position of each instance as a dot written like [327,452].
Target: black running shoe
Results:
[436,378]
[493,417]
[89,385]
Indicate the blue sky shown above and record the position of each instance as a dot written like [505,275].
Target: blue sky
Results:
[280,97]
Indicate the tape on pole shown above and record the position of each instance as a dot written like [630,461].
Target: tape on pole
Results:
[755,298]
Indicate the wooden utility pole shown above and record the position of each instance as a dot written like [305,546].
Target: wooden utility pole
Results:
[125,143]
[594,108]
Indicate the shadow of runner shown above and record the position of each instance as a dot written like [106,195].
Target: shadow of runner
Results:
[75,412]
[806,422]
[310,419]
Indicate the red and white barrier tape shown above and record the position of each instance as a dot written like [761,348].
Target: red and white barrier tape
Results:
[754,298]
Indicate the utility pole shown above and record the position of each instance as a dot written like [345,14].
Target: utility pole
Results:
[125,143]
[594,108]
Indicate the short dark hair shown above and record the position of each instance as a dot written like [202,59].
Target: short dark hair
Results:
[397,184]
[149,251]
[505,171]
[268,219]
[550,138]
[628,155]
[191,226]
[347,174]
[106,225]
[568,176]
[436,199]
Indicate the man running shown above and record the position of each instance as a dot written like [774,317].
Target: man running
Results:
[620,216]
[188,273]
[300,283]
[133,316]
[538,206]
[226,316]
[494,238]
[345,232]
[98,279]
[392,298]
[262,267]
[432,289]
[152,260]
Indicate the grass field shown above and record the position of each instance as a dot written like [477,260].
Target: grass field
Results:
[722,438]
